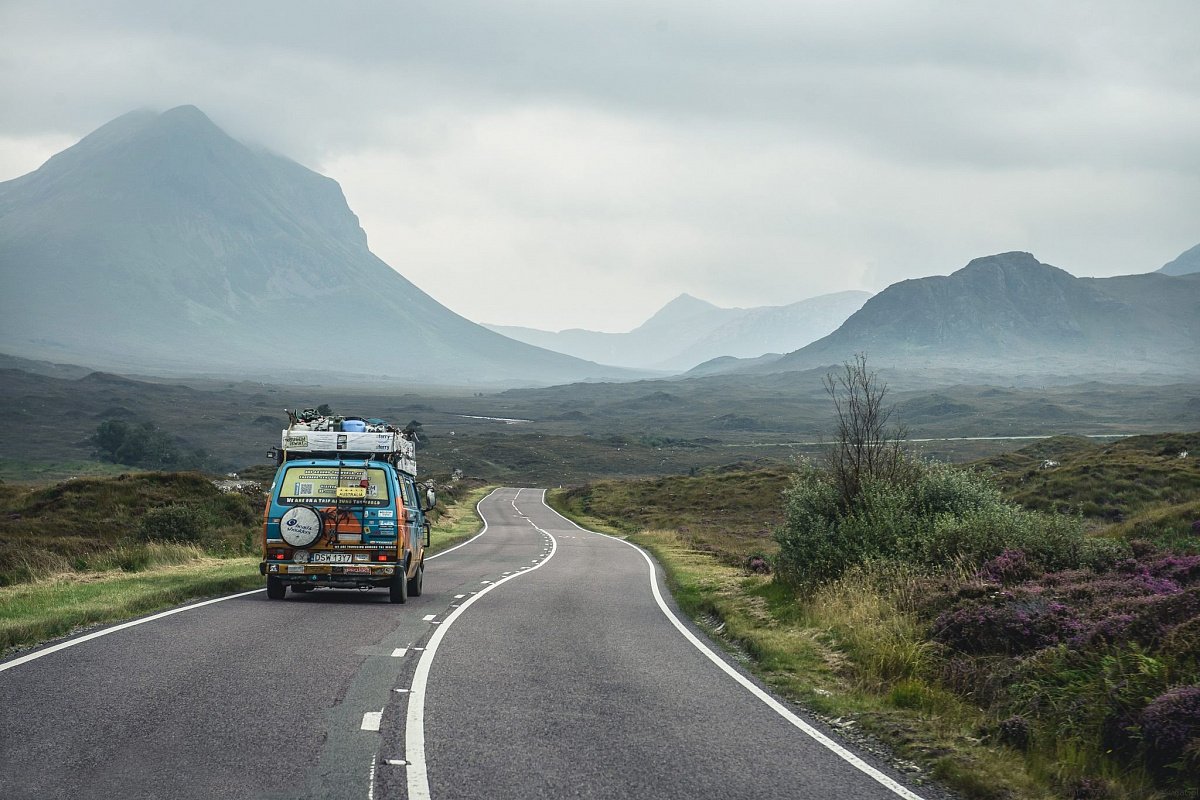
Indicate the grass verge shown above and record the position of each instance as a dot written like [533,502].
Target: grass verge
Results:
[458,522]
[34,612]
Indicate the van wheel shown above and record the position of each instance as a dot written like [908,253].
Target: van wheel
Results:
[414,586]
[275,588]
[398,588]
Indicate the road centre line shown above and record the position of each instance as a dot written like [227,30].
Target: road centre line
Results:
[783,711]
[371,720]
[414,731]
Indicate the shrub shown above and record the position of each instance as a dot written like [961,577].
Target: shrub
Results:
[758,563]
[175,523]
[1007,622]
[1014,732]
[1009,567]
[1183,642]
[937,514]
[1170,726]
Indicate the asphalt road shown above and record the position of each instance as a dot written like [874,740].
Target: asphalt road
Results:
[541,661]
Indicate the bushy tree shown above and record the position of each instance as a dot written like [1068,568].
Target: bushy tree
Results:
[143,445]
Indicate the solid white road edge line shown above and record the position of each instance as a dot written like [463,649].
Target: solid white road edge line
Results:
[414,730]
[16,662]
[783,711]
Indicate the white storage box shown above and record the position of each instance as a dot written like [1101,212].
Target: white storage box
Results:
[350,443]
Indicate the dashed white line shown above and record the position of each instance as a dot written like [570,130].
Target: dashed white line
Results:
[429,617]
[414,731]
[371,720]
[399,652]
[395,762]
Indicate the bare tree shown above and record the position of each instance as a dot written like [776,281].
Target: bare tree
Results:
[865,449]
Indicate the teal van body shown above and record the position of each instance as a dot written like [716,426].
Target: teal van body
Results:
[345,518]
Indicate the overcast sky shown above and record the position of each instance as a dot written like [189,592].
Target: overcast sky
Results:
[575,164]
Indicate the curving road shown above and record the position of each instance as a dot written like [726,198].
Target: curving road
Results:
[541,661]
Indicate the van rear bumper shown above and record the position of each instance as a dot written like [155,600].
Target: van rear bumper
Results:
[329,574]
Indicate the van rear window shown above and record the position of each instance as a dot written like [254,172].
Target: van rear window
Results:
[331,485]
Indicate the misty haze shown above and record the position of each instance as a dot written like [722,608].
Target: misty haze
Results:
[498,400]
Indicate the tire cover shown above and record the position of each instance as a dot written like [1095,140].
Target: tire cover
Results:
[300,526]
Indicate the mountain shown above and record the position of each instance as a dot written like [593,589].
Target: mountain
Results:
[160,243]
[688,331]
[1187,263]
[1010,313]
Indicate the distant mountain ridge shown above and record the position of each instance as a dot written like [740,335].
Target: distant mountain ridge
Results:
[1011,313]
[159,243]
[1185,264]
[688,331]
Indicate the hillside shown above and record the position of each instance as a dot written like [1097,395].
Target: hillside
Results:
[1011,314]
[160,244]
[1104,482]
[688,331]
[1187,263]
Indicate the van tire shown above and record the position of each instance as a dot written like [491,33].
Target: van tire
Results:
[398,587]
[414,585]
[275,588]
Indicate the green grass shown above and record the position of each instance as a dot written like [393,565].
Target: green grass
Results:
[728,512]
[36,472]
[458,522]
[89,524]
[1106,483]
[34,612]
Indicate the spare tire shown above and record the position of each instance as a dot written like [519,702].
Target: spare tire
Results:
[301,526]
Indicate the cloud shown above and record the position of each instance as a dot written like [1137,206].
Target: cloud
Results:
[580,164]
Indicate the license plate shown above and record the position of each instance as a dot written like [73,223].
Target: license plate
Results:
[329,558]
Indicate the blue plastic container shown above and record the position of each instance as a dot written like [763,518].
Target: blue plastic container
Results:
[354,426]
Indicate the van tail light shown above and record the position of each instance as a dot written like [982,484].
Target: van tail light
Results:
[280,555]
[382,557]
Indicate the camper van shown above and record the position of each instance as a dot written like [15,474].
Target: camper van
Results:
[345,510]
